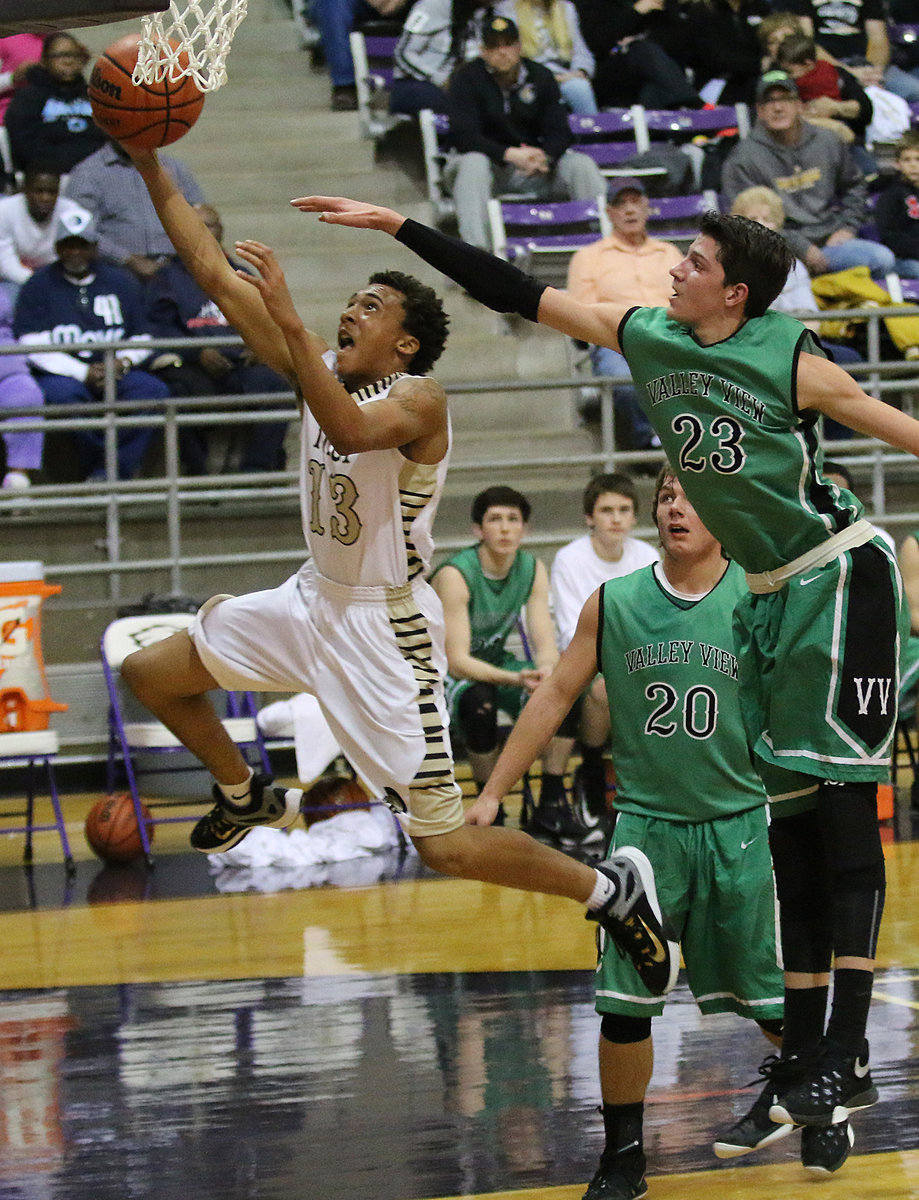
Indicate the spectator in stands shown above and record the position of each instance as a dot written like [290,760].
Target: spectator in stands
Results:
[639,47]
[724,49]
[511,130]
[855,35]
[177,307]
[17,390]
[832,96]
[27,224]
[765,205]
[49,119]
[484,589]
[129,231]
[897,211]
[822,189]
[550,33]
[80,303]
[17,54]
[772,31]
[606,551]
[336,20]
[437,37]
[628,267]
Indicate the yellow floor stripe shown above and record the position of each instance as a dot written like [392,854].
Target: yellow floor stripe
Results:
[891,1176]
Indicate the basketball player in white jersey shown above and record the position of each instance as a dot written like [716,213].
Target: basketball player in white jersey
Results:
[358,626]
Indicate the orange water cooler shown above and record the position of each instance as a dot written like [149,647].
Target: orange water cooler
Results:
[24,701]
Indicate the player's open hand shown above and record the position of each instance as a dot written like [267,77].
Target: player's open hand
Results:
[339,210]
[269,281]
[483,810]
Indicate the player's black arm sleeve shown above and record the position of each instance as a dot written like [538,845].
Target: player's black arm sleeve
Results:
[491,281]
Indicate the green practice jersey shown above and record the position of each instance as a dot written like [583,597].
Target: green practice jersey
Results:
[494,604]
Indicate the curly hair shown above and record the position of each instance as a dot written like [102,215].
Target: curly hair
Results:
[424,318]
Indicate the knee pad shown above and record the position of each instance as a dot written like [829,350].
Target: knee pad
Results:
[477,711]
[804,889]
[848,818]
[623,1030]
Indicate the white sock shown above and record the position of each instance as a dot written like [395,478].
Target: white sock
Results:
[238,795]
[603,889]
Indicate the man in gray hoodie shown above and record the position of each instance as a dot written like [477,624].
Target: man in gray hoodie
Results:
[822,189]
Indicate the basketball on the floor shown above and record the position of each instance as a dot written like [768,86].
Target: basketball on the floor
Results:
[332,794]
[112,830]
[142,115]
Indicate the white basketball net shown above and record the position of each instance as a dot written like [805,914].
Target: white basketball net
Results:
[202,29]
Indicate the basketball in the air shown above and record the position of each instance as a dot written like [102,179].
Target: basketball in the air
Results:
[331,795]
[142,115]
[112,830]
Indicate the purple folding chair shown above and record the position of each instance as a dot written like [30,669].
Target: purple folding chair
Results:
[133,732]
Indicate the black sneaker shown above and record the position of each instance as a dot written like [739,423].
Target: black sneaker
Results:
[548,819]
[824,1148]
[838,1085]
[757,1129]
[618,1177]
[224,826]
[632,918]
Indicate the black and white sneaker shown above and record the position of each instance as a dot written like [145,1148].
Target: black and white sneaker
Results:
[618,1177]
[632,918]
[756,1129]
[824,1148]
[838,1085]
[225,825]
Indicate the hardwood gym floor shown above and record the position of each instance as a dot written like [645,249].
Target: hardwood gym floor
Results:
[389,1035]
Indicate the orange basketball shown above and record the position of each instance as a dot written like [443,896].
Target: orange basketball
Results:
[334,793]
[144,115]
[112,830]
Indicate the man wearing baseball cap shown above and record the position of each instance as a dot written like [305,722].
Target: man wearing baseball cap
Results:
[628,267]
[823,191]
[511,130]
[81,303]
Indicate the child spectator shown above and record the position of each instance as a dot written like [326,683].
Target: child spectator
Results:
[832,95]
[897,212]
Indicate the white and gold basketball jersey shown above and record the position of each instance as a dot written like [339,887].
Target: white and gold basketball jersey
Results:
[367,517]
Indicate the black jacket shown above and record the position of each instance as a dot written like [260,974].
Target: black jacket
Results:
[484,118]
[897,218]
[50,123]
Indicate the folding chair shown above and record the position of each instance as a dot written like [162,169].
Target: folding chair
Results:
[676,218]
[905,291]
[31,749]
[612,138]
[541,237]
[689,129]
[132,730]
[435,145]
[372,55]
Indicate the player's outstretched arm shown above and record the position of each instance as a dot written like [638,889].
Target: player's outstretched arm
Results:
[542,714]
[828,389]
[490,280]
[205,259]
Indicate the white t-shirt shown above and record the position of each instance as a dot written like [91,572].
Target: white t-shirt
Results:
[24,244]
[578,571]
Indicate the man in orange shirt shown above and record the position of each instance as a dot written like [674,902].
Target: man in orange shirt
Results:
[628,267]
